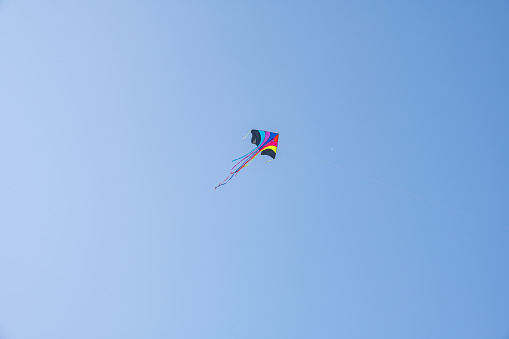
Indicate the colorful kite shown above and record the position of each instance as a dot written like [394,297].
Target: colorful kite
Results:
[266,144]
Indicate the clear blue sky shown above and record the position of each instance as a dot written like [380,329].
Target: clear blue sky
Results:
[118,118]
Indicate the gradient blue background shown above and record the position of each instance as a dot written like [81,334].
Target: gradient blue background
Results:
[117,119]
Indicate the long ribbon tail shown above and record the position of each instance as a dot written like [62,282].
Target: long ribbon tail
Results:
[245,155]
[246,163]
[238,166]
[228,178]
[243,162]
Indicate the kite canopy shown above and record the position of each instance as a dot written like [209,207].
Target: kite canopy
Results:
[270,146]
[266,144]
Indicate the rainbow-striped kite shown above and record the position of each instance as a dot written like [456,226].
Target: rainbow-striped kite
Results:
[266,144]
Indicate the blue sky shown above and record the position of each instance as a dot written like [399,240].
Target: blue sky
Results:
[118,118]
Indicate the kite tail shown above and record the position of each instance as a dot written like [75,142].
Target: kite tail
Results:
[245,155]
[245,160]
[228,178]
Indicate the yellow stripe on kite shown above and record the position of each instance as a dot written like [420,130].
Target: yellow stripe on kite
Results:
[274,148]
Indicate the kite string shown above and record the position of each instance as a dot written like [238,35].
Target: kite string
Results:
[418,196]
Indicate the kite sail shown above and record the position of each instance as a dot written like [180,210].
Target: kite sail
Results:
[266,144]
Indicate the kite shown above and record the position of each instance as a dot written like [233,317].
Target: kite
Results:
[266,144]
